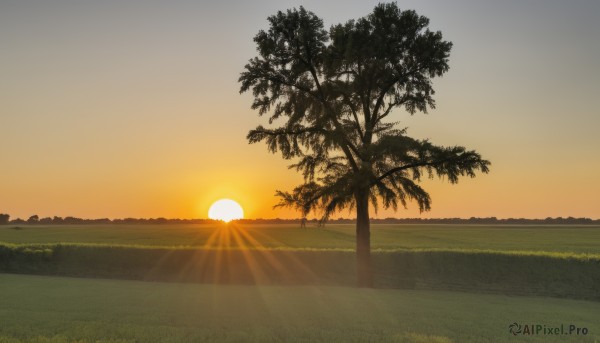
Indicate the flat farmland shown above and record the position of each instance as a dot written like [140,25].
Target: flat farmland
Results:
[288,290]
[56,310]
[549,238]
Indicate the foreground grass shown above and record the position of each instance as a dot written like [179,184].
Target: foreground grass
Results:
[51,309]
[549,238]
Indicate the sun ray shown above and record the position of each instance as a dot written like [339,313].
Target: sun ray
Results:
[283,268]
[232,253]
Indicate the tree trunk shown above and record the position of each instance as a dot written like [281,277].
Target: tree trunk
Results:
[364,271]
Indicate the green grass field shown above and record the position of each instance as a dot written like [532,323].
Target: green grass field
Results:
[50,309]
[550,260]
[575,239]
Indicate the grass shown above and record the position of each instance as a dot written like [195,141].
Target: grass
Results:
[561,261]
[547,238]
[526,273]
[50,309]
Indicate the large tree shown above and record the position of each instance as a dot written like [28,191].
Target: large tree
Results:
[330,96]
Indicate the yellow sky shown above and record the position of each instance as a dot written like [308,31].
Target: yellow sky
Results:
[130,109]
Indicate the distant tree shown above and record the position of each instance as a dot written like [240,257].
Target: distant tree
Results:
[4,218]
[18,221]
[46,220]
[33,219]
[333,94]
[159,220]
[72,220]
[100,221]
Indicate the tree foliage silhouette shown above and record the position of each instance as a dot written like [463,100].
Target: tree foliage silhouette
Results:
[34,219]
[4,218]
[333,93]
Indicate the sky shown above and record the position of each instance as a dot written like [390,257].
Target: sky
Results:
[131,108]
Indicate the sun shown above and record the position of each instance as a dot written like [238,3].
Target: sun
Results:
[225,210]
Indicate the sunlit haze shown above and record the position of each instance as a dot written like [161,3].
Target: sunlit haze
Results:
[132,108]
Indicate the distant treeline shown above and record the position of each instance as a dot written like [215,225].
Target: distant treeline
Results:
[33,220]
[473,220]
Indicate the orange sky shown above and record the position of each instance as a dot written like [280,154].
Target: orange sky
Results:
[128,109]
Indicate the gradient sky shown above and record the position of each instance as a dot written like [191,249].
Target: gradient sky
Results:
[131,108]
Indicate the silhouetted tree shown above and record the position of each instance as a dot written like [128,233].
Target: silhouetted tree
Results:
[45,220]
[18,221]
[4,218]
[295,200]
[333,93]
[72,220]
[33,219]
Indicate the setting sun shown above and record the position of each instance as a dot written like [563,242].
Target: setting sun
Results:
[225,210]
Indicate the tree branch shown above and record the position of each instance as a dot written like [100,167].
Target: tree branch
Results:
[299,131]
[355,115]
[410,166]
[384,91]
[345,144]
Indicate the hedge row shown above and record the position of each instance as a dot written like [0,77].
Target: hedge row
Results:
[547,274]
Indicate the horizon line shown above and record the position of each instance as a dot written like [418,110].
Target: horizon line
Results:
[50,220]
